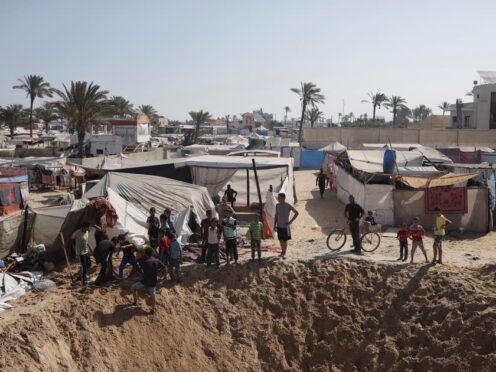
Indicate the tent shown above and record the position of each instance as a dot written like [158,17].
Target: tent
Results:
[215,172]
[13,189]
[47,223]
[133,196]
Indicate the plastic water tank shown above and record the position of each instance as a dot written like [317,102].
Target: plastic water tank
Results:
[389,162]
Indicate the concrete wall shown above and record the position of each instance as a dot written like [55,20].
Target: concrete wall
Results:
[352,137]
[411,203]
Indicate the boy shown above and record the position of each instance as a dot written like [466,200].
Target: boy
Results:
[282,222]
[103,255]
[175,257]
[153,228]
[370,218]
[255,231]
[322,181]
[150,266]
[212,242]
[230,234]
[439,233]
[230,194]
[205,225]
[402,236]
[169,225]
[417,232]
[82,249]
[128,257]
[163,248]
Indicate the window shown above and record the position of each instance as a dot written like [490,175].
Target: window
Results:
[466,121]
[492,112]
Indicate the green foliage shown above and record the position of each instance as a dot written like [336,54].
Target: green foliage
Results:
[118,107]
[13,116]
[310,95]
[46,113]
[199,118]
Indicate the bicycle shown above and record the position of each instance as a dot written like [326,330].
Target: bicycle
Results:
[337,239]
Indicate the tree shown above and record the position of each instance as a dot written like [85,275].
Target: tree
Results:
[227,123]
[287,110]
[149,111]
[403,115]
[309,96]
[376,99]
[12,115]
[119,107]
[314,115]
[81,104]
[420,113]
[35,87]
[47,113]
[199,117]
[395,103]
[445,106]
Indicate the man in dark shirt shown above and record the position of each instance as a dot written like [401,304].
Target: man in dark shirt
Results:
[128,257]
[150,266]
[103,256]
[322,181]
[153,228]
[205,224]
[101,224]
[230,194]
[353,213]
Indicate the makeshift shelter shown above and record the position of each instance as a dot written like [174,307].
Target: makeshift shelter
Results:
[13,189]
[316,156]
[47,223]
[360,173]
[215,172]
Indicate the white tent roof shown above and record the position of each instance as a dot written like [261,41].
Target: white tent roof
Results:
[228,162]
[408,162]
[146,191]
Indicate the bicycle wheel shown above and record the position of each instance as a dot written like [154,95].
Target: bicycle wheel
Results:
[336,239]
[370,241]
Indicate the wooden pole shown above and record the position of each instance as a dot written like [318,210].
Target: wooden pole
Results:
[22,248]
[66,256]
[258,187]
[248,188]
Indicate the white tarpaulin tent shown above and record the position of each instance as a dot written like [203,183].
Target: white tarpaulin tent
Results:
[133,195]
[47,223]
[408,162]
[375,197]
[215,172]
[428,152]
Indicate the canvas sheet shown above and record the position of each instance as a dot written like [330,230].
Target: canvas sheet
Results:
[449,179]
[10,227]
[372,161]
[47,223]
[378,198]
[451,200]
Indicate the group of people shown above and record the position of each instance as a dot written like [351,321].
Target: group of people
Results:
[415,232]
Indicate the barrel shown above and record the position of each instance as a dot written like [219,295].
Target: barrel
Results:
[389,161]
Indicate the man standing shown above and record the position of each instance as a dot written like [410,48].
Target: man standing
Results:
[205,225]
[101,224]
[82,249]
[153,228]
[282,222]
[103,256]
[439,233]
[150,266]
[230,233]
[322,182]
[169,225]
[353,213]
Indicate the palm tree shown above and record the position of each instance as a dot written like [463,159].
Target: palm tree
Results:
[314,115]
[81,104]
[35,87]
[287,110]
[227,123]
[47,113]
[12,115]
[376,99]
[395,103]
[119,107]
[309,96]
[445,106]
[421,112]
[149,111]
[199,117]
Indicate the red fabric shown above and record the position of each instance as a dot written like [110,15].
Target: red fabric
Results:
[163,245]
[470,157]
[403,236]
[266,231]
[449,199]
[416,234]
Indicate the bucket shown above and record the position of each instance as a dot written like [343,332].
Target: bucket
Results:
[389,163]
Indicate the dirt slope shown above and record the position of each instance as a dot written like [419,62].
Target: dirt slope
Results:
[338,314]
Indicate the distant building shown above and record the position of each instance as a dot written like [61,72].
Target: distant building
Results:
[105,144]
[434,122]
[132,131]
[481,113]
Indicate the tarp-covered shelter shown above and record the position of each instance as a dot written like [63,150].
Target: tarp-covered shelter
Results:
[47,223]
[215,172]
[360,173]
[13,189]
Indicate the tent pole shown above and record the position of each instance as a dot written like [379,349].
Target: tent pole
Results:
[24,230]
[248,188]
[258,187]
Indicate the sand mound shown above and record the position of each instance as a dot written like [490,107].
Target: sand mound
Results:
[321,316]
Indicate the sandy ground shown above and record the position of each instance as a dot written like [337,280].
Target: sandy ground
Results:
[315,311]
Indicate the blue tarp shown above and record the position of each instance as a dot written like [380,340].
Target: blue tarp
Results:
[18,179]
[311,159]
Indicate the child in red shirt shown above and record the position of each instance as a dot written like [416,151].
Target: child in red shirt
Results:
[403,238]
[163,249]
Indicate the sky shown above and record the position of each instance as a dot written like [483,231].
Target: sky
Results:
[230,57]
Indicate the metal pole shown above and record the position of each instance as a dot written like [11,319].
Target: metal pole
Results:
[248,188]
[258,187]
